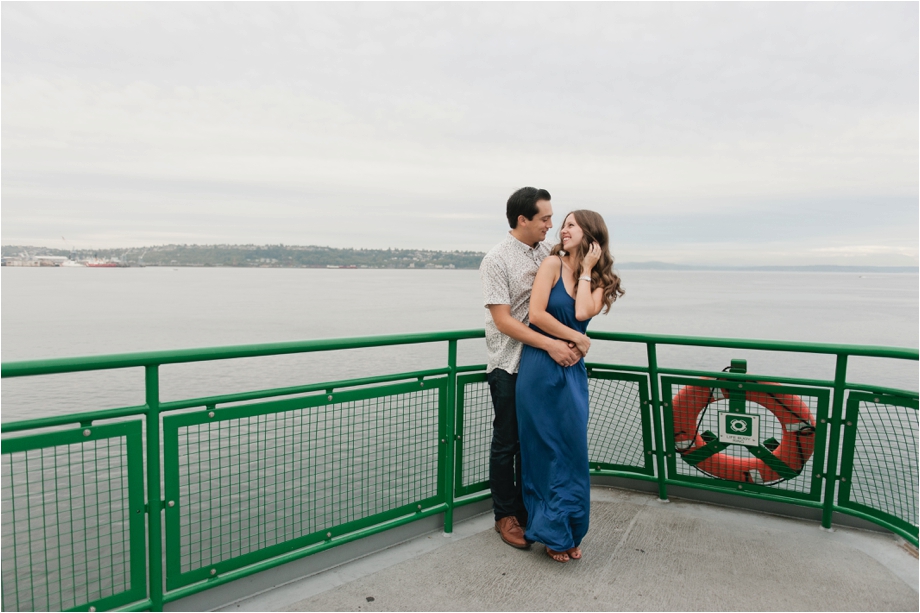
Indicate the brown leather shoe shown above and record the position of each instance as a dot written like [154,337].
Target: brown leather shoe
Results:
[511,532]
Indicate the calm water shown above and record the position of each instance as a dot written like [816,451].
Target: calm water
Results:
[56,312]
[71,312]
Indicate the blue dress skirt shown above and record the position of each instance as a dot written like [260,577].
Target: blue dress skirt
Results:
[552,413]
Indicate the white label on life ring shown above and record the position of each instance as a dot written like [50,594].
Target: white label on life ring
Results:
[717,394]
[739,428]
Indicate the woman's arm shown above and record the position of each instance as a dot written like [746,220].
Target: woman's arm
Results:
[588,303]
[539,298]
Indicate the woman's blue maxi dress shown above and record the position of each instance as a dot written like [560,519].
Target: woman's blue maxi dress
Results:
[552,413]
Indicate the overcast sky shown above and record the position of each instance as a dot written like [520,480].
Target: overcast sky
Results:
[774,133]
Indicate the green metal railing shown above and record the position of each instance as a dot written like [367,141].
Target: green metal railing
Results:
[137,506]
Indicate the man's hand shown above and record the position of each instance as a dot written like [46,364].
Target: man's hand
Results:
[562,354]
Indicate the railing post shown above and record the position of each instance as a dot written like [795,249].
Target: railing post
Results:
[155,552]
[450,415]
[836,421]
[656,419]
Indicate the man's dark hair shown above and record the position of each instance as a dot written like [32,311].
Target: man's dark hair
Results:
[524,202]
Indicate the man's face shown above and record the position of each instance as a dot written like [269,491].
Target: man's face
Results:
[534,230]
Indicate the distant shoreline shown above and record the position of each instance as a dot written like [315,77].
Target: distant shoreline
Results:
[806,268]
[311,256]
[637,266]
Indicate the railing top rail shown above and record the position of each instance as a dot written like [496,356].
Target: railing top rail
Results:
[875,351]
[179,356]
[129,360]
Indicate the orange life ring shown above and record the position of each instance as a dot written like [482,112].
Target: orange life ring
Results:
[796,444]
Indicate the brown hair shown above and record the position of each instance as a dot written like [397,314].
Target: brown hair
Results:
[594,230]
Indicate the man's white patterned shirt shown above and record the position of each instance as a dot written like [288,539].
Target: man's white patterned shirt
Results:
[507,274]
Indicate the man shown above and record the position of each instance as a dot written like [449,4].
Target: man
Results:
[507,273]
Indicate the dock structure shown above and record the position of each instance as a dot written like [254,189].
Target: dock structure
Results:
[639,555]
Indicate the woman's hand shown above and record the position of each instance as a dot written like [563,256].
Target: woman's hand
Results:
[591,258]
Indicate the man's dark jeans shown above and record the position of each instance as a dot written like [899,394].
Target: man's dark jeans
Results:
[505,454]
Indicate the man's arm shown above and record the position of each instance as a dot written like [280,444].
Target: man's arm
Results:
[559,350]
[539,299]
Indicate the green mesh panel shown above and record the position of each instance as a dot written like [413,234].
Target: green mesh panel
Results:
[615,423]
[478,414]
[884,468]
[66,533]
[249,483]
[615,427]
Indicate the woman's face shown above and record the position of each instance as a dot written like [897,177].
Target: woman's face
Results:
[570,234]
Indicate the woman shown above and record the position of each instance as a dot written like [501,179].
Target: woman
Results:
[572,285]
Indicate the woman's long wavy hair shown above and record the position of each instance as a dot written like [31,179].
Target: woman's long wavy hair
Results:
[595,230]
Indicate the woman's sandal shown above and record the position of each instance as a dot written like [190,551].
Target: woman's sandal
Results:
[574,553]
[558,556]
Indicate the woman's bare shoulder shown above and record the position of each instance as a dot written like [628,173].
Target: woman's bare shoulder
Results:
[549,269]
[551,262]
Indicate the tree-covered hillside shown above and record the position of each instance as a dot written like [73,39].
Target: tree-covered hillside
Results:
[265,256]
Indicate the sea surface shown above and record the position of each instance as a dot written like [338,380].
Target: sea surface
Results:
[240,491]
[65,312]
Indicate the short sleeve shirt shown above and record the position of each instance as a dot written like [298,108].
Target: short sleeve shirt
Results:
[507,274]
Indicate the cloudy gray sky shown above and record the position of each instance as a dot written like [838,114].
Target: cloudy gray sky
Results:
[750,133]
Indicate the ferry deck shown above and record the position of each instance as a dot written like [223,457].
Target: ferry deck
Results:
[640,555]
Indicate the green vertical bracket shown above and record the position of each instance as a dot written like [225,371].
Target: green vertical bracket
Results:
[655,407]
[736,397]
[154,518]
[450,435]
[830,482]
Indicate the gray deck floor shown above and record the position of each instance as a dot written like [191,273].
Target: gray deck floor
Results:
[640,555]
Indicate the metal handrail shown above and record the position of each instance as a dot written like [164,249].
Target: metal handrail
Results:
[179,356]
[875,351]
[207,354]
